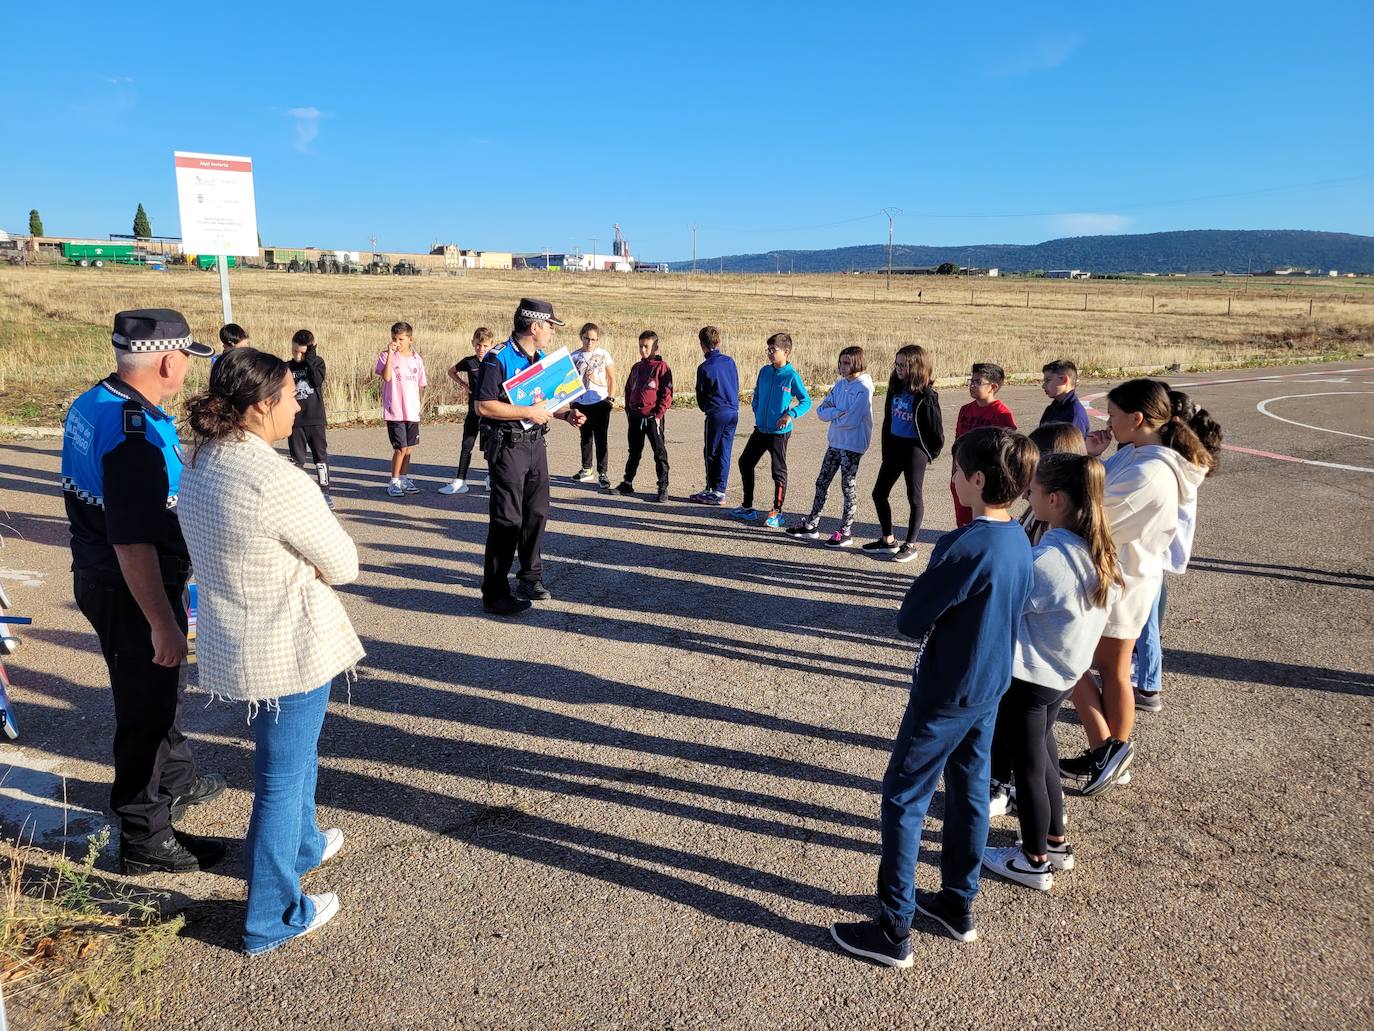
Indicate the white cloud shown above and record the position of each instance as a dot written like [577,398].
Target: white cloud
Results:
[1040,56]
[307,126]
[1088,223]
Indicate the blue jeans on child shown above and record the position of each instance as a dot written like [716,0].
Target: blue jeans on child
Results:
[933,741]
[1149,655]
[284,842]
[720,442]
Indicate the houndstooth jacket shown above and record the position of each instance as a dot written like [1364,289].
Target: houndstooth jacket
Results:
[258,529]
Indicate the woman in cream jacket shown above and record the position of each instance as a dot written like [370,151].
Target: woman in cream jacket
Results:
[1152,476]
[271,632]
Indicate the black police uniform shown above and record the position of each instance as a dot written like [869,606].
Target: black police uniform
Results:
[121,470]
[519,468]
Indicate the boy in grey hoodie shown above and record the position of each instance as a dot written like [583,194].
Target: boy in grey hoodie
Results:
[848,408]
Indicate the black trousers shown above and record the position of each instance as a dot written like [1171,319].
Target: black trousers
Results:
[152,758]
[312,438]
[642,427]
[470,424]
[595,433]
[901,460]
[775,446]
[1025,729]
[518,514]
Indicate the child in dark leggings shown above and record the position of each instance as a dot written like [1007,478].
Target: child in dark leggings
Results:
[1076,579]
[913,436]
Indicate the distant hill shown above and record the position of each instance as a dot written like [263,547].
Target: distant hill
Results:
[1197,250]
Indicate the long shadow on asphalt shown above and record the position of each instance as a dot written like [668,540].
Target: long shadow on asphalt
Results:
[1295,574]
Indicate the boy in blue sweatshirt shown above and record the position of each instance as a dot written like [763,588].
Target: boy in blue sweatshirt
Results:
[780,397]
[718,399]
[966,606]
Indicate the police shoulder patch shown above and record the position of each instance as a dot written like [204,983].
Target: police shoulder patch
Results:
[135,419]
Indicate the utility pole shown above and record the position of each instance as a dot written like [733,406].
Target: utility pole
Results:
[777,263]
[890,213]
[694,249]
[593,253]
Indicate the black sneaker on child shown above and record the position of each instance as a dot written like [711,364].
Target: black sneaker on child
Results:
[1077,767]
[950,915]
[625,489]
[1109,763]
[906,553]
[810,533]
[881,547]
[507,605]
[532,590]
[867,938]
[208,851]
[660,497]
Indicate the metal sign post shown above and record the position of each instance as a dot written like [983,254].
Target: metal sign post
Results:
[224,300]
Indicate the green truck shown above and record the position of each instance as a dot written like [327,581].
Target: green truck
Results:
[101,254]
[210,261]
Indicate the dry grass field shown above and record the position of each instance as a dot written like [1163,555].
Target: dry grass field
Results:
[54,322]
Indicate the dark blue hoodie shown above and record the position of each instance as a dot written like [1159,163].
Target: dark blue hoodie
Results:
[717,384]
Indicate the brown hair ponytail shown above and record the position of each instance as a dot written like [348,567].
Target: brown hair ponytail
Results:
[240,379]
[1084,479]
[1150,398]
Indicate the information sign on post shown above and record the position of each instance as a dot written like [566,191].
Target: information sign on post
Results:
[218,212]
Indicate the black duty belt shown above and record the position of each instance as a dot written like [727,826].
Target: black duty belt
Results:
[509,437]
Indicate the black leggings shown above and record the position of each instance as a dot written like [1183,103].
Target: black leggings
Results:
[594,433]
[1025,726]
[470,425]
[906,460]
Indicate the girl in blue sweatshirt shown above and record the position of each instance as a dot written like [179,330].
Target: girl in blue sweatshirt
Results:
[779,398]
[848,408]
[966,606]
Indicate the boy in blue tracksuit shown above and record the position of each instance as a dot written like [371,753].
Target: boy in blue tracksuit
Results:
[966,606]
[780,397]
[718,399]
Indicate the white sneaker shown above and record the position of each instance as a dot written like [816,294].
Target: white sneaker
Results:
[456,487]
[1012,864]
[395,489]
[1001,799]
[333,841]
[1060,853]
[408,485]
[326,909]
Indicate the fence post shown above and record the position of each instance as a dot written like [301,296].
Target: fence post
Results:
[1152,304]
[1027,298]
[1228,307]
[970,298]
[1085,302]
[1309,308]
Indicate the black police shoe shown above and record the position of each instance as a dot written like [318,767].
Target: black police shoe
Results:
[533,590]
[508,605]
[208,851]
[206,787]
[169,857]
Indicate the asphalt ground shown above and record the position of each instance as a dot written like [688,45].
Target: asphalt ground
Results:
[642,804]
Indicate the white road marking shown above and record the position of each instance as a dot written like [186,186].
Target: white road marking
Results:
[1263,409]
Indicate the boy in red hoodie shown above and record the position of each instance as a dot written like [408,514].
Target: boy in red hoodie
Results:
[984,410]
[648,396]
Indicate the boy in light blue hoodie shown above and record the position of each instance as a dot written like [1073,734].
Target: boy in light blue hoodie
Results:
[848,408]
[780,397]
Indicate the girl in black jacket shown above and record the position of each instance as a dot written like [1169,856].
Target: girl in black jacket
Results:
[913,437]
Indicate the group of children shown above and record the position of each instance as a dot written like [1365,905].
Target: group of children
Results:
[1015,616]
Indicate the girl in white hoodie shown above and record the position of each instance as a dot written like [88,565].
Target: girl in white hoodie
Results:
[1153,475]
[848,408]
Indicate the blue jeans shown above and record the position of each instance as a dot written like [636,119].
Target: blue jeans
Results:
[958,744]
[1149,655]
[720,442]
[284,842]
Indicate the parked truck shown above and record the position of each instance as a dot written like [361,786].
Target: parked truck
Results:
[211,261]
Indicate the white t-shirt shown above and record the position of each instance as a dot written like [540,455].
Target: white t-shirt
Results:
[593,365]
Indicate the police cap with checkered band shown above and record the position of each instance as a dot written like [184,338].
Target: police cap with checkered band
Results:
[531,309]
[152,330]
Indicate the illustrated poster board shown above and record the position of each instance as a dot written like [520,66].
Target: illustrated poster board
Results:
[553,379]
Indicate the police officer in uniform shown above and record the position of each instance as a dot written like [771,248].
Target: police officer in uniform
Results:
[121,466]
[518,463]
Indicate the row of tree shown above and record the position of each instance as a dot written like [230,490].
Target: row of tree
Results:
[143,229]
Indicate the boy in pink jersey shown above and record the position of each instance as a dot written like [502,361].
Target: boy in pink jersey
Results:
[403,377]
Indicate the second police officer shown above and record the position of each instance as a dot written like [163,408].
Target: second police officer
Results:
[518,463]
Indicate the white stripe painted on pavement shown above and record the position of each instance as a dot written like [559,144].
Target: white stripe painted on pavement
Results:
[1263,409]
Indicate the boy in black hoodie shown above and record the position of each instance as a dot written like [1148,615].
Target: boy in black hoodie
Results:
[308,431]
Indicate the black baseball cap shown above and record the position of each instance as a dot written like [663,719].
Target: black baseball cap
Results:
[151,330]
[531,309]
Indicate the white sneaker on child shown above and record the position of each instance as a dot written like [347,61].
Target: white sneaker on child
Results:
[408,485]
[456,487]
[395,489]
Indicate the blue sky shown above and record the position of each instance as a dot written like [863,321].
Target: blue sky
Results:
[769,126]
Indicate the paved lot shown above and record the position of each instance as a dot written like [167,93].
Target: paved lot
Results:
[641,806]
